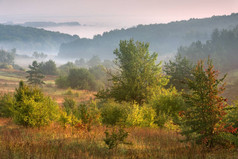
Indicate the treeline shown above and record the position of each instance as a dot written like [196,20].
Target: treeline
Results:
[163,38]
[222,47]
[83,75]
[31,39]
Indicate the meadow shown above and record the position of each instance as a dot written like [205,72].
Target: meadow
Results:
[55,141]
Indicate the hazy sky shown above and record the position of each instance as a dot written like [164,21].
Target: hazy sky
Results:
[123,12]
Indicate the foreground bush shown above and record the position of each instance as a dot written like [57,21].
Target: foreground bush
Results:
[6,103]
[141,116]
[114,113]
[167,104]
[32,108]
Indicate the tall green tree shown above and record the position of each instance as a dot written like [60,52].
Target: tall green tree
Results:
[35,76]
[205,106]
[138,75]
[179,70]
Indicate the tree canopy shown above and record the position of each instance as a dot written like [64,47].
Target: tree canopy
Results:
[35,76]
[138,74]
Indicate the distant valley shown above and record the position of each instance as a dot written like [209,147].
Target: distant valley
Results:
[49,24]
[163,38]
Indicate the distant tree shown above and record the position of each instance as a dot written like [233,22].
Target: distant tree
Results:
[80,63]
[62,82]
[7,57]
[64,69]
[205,106]
[37,55]
[81,78]
[179,71]
[94,61]
[107,64]
[48,68]
[35,76]
[138,74]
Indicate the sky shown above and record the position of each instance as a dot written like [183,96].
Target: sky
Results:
[121,12]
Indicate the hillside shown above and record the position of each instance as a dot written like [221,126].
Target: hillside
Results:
[163,38]
[222,48]
[27,39]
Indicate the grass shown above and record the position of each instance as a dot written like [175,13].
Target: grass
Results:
[56,142]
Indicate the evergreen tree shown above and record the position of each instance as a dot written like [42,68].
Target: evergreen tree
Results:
[35,76]
[205,106]
[179,70]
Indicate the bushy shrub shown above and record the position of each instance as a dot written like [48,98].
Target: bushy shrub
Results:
[115,138]
[32,108]
[62,82]
[69,105]
[167,104]
[232,114]
[33,113]
[81,79]
[142,116]
[6,103]
[64,69]
[113,112]
[89,114]
[68,119]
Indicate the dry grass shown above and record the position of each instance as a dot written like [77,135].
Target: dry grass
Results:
[56,142]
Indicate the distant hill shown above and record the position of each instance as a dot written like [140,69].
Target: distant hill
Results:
[222,47]
[163,38]
[28,39]
[49,24]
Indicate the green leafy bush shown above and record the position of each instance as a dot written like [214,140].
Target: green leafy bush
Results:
[167,104]
[113,112]
[88,114]
[115,138]
[6,104]
[32,108]
[142,116]
[69,105]
[68,119]
[62,82]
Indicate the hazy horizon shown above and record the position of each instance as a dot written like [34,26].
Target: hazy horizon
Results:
[111,14]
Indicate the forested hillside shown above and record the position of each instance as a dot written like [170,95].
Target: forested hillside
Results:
[163,38]
[27,39]
[222,48]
